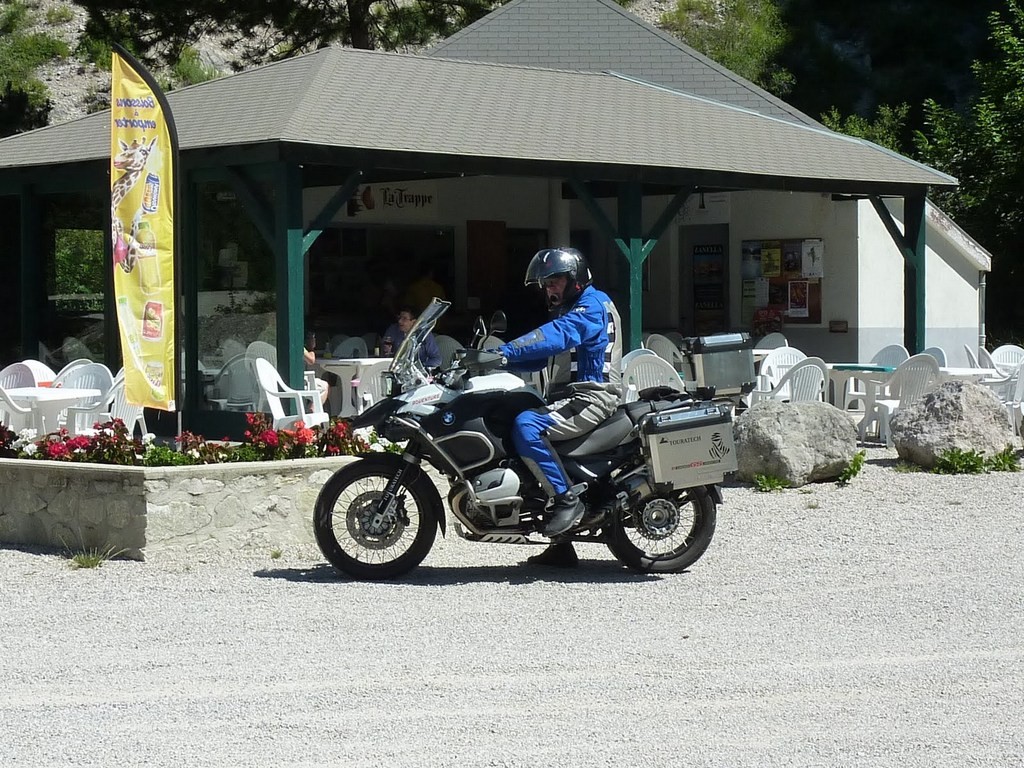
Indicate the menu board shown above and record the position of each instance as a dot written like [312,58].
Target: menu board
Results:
[781,282]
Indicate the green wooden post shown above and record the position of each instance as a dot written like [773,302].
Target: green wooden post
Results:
[289,258]
[915,328]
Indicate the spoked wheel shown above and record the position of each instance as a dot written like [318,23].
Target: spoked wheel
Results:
[664,534]
[370,540]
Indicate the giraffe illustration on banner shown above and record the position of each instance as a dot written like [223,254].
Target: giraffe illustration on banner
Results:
[132,160]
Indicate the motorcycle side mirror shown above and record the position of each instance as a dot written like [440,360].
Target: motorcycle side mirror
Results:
[499,323]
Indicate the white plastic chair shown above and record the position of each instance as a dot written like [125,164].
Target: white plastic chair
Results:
[255,351]
[275,393]
[1007,357]
[1014,396]
[890,356]
[448,347]
[113,405]
[63,372]
[774,367]
[912,379]
[235,387]
[771,341]
[804,382]
[353,346]
[972,357]
[938,353]
[667,350]
[646,371]
[87,376]
[17,375]
[633,355]
[334,341]
[370,340]
[12,415]
[41,371]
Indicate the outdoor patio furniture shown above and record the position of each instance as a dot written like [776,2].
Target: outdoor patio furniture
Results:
[17,375]
[1007,357]
[448,347]
[774,366]
[890,355]
[805,381]
[14,416]
[353,346]
[645,372]
[912,379]
[667,350]
[972,356]
[771,341]
[304,403]
[937,352]
[633,354]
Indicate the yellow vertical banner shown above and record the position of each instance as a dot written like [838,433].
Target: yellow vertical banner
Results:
[143,146]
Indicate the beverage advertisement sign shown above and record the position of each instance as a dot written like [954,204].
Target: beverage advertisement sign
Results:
[142,150]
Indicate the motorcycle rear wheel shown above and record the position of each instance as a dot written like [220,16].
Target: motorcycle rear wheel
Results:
[664,535]
[359,543]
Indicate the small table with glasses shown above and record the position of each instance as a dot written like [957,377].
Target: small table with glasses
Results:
[355,379]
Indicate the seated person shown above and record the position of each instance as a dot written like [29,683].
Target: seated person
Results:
[309,358]
[430,354]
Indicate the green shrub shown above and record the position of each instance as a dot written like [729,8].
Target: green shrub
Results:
[59,15]
[954,461]
[769,483]
[1004,461]
[852,469]
[189,70]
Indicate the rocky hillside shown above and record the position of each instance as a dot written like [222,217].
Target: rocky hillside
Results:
[77,87]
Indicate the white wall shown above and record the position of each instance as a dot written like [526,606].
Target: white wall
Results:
[863,269]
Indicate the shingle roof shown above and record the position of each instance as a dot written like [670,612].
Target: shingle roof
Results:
[600,35]
[375,104]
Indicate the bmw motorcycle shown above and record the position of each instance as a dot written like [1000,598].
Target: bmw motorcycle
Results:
[649,475]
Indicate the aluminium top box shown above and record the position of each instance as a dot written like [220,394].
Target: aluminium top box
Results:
[691,446]
[724,361]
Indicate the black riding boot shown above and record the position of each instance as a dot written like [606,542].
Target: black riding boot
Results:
[566,510]
[557,556]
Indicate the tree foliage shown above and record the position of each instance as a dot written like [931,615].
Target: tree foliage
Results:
[276,29]
[745,36]
[885,130]
[984,148]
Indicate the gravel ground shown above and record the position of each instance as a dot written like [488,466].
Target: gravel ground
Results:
[876,625]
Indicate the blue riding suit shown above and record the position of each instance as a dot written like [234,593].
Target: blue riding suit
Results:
[584,349]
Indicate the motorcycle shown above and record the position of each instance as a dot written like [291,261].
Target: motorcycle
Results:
[649,476]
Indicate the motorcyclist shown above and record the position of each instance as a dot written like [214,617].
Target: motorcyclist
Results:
[582,348]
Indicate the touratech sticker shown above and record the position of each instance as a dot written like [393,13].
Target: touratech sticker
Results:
[681,440]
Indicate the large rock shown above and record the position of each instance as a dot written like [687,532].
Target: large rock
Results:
[797,442]
[957,414]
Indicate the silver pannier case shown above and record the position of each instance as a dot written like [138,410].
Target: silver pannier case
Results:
[724,361]
[692,446]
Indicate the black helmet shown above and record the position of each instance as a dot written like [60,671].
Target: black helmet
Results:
[560,261]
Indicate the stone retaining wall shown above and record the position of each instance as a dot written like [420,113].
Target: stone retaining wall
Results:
[141,512]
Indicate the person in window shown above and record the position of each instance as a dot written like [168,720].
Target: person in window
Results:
[582,349]
[309,359]
[430,354]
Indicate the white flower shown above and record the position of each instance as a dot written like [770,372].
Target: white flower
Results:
[148,438]
[194,453]
[108,432]
[31,449]
[88,432]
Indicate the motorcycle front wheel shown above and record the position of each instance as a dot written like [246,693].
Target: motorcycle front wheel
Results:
[365,540]
[664,534]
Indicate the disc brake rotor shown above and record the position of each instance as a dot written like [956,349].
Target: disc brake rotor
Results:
[370,528]
[658,519]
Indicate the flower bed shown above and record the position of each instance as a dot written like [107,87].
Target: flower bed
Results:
[111,492]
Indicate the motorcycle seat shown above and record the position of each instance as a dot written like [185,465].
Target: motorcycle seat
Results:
[605,437]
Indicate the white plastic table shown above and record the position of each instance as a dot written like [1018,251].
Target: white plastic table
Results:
[48,402]
[354,375]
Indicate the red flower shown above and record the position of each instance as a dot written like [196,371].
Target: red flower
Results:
[269,437]
[56,450]
[78,443]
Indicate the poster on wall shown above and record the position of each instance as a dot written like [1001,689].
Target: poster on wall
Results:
[771,258]
[798,306]
[748,301]
[813,251]
[792,259]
